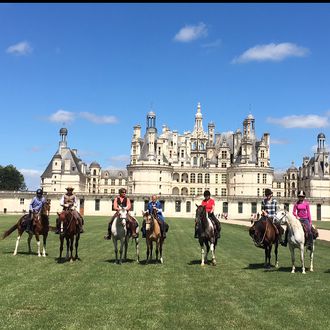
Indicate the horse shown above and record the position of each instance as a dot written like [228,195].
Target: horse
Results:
[153,234]
[296,238]
[40,226]
[263,234]
[132,232]
[69,229]
[206,234]
[119,232]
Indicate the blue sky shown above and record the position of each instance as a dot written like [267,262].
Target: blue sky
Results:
[98,69]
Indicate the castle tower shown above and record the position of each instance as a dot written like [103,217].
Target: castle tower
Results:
[63,142]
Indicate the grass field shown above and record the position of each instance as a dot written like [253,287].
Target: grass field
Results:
[95,293]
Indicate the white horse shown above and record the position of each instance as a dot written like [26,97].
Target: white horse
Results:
[296,238]
[119,231]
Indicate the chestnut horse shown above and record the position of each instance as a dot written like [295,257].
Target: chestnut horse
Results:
[263,234]
[40,226]
[69,229]
[206,234]
[153,234]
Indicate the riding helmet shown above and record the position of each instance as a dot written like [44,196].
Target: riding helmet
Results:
[268,192]
[301,193]
[39,192]
[207,193]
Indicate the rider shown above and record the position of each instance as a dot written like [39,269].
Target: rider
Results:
[69,202]
[120,201]
[155,204]
[209,204]
[35,206]
[269,208]
[301,211]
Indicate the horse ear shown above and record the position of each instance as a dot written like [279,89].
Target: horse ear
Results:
[58,214]
[196,205]
[142,213]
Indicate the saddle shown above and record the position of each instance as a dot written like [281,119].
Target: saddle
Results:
[314,231]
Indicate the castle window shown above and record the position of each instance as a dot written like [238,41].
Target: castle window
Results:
[200,178]
[224,154]
[262,153]
[223,165]
[264,178]
[240,207]
[188,206]
[192,178]
[223,178]
[207,178]
[223,191]
[21,201]
[177,206]
[97,205]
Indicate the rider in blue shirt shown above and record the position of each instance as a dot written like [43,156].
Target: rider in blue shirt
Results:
[35,207]
[154,204]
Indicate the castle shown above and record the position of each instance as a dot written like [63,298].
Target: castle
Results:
[234,166]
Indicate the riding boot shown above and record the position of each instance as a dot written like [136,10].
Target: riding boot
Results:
[196,231]
[310,241]
[108,237]
[285,242]
[81,225]
[163,229]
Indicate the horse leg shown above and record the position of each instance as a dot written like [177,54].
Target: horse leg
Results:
[38,244]
[44,245]
[148,251]
[61,246]
[76,246]
[71,248]
[202,257]
[302,258]
[137,249]
[116,248]
[157,249]
[312,258]
[292,259]
[67,248]
[267,257]
[17,243]
[121,250]
[214,262]
[125,247]
[276,254]
[161,249]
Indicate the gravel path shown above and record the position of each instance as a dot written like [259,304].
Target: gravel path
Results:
[323,233]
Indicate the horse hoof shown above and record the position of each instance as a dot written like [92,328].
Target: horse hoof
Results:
[292,271]
[214,263]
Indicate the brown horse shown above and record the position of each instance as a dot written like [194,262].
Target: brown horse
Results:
[69,229]
[263,234]
[40,226]
[206,234]
[132,227]
[153,234]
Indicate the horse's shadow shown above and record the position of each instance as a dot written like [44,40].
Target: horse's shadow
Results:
[63,260]
[194,262]
[327,271]
[22,253]
[271,268]
[126,261]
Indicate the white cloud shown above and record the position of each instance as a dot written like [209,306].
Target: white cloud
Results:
[271,52]
[307,121]
[191,32]
[120,158]
[31,178]
[62,116]
[22,48]
[98,119]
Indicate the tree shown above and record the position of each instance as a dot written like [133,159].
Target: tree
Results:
[11,179]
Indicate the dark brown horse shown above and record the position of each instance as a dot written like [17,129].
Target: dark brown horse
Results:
[206,234]
[264,235]
[132,227]
[69,229]
[153,234]
[40,226]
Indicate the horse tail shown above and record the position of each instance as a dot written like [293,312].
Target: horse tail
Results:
[9,231]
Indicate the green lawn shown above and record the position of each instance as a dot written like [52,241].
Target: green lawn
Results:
[95,293]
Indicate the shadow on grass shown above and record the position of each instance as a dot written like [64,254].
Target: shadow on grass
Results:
[271,268]
[327,271]
[21,253]
[126,261]
[64,260]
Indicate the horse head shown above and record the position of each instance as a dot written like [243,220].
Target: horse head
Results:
[200,215]
[281,217]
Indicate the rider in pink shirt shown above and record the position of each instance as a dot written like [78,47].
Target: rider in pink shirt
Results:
[302,212]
